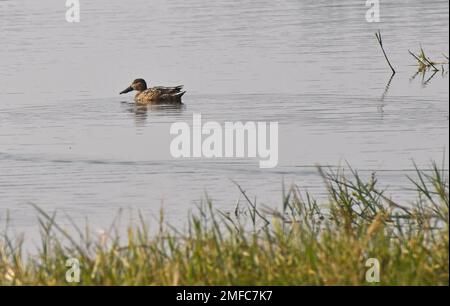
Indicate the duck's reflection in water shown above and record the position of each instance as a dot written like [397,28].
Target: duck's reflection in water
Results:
[142,112]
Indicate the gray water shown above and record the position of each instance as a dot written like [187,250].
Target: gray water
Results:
[69,142]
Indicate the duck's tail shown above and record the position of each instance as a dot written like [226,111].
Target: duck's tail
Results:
[180,94]
[173,97]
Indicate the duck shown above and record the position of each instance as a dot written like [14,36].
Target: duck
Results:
[156,95]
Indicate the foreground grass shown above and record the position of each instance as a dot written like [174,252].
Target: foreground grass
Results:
[300,244]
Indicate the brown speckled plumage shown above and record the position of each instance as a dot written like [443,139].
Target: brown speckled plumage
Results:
[159,94]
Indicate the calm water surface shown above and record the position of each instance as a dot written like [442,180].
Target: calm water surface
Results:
[68,142]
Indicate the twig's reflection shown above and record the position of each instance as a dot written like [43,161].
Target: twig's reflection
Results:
[425,83]
[383,96]
[424,80]
[386,89]
[413,77]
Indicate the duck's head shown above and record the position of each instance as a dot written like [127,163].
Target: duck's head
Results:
[138,85]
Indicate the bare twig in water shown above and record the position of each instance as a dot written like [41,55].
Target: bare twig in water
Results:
[422,63]
[426,63]
[380,41]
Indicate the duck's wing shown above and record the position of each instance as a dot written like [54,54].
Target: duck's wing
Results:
[168,90]
[172,96]
[161,94]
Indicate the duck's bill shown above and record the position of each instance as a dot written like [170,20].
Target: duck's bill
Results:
[126,90]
